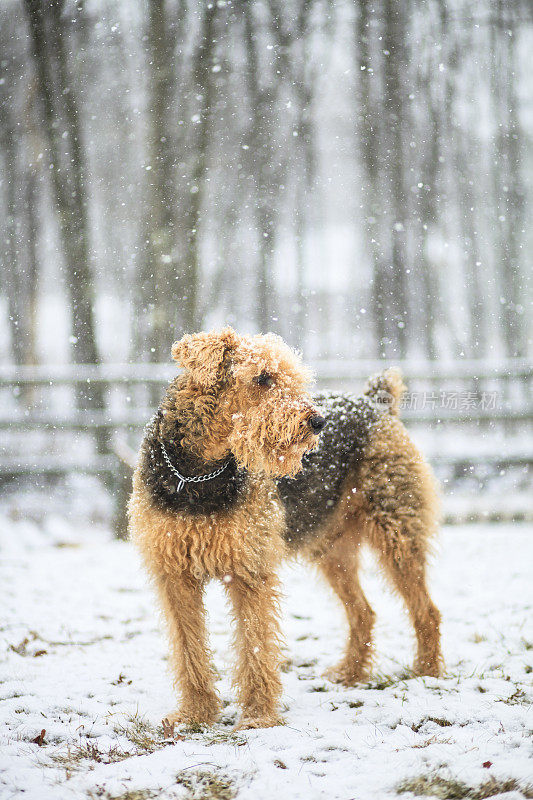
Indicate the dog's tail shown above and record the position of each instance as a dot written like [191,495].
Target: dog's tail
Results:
[387,389]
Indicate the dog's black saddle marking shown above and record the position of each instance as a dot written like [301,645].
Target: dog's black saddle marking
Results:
[314,492]
[218,494]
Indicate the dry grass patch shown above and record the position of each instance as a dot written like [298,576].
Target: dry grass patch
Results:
[142,734]
[442,723]
[133,794]
[72,759]
[144,738]
[205,785]
[383,681]
[452,789]
[224,737]
[517,698]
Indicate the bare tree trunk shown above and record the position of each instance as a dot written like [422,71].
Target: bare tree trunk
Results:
[21,267]
[62,125]
[263,183]
[370,141]
[300,315]
[304,80]
[471,247]
[428,217]
[394,66]
[509,191]
[451,137]
[161,257]
[10,270]
[32,262]
[462,157]
[160,236]
[204,94]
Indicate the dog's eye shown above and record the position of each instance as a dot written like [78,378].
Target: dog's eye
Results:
[264,379]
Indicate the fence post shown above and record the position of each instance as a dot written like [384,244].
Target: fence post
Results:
[125,464]
[121,493]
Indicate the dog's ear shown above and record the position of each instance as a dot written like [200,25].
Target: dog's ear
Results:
[203,353]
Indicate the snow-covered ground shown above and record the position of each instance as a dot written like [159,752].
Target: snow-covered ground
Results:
[83,660]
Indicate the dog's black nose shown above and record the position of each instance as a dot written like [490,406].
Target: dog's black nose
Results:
[316,423]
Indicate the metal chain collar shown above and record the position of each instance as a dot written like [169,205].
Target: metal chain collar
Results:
[196,478]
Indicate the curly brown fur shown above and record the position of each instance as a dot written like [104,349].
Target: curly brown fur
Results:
[242,403]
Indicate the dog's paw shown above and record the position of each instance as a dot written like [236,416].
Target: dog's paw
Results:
[191,717]
[346,674]
[432,668]
[246,722]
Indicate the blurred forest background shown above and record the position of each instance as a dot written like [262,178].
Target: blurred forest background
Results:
[355,175]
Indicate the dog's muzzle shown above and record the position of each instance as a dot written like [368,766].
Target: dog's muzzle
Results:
[316,423]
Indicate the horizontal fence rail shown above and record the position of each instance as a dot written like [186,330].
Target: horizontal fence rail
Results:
[145,372]
[138,418]
[459,403]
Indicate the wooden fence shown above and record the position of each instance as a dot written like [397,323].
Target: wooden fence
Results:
[470,417]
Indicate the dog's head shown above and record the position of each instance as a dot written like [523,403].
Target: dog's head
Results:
[255,399]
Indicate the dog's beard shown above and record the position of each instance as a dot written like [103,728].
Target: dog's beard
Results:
[277,462]
[285,461]
[264,449]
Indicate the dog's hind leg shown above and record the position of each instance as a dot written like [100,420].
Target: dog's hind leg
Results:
[339,563]
[404,562]
[182,603]
[401,511]
[257,637]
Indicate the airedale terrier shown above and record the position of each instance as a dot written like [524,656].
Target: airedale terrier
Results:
[235,473]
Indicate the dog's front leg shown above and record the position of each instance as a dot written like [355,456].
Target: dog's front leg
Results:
[257,637]
[182,603]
